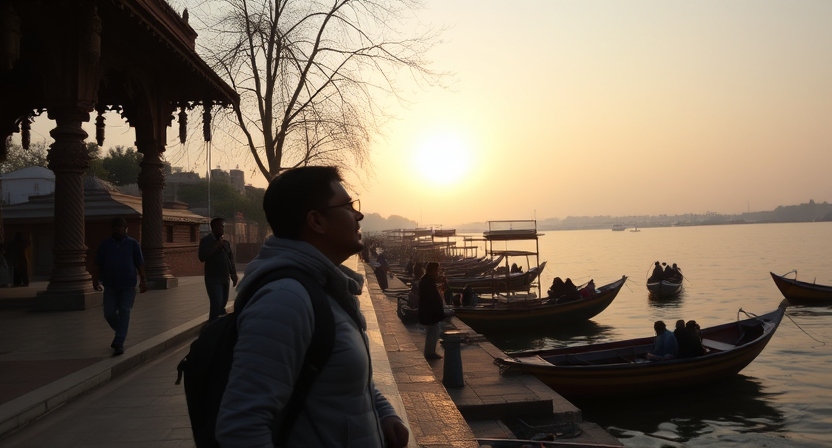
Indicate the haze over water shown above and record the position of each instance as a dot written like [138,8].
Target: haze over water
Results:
[781,399]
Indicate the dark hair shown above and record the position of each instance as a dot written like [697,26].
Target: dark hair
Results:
[116,222]
[218,218]
[294,193]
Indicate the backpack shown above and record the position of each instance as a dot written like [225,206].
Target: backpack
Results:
[208,363]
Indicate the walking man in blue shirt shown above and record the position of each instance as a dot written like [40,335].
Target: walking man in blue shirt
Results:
[118,260]
[215,252]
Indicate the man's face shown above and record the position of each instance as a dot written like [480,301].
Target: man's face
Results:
[218,228]
[119,231]
[342,236]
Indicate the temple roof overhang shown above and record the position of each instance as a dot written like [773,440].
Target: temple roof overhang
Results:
[142,44]
[98,205]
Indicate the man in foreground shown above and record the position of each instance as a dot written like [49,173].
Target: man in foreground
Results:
[316,227]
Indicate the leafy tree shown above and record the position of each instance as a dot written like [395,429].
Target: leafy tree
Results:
[96,167]
[226,201]
[310,73]
[122,165]
[18,158]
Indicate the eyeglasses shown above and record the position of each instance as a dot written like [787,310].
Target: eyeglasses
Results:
[355,205]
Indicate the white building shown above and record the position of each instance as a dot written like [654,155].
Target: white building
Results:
[18,185]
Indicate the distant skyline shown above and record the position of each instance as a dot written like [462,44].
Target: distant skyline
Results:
[585,108]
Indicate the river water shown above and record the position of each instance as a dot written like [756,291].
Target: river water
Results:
[782,399]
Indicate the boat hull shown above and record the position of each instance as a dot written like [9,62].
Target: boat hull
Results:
[664,288]
[496,284]
[802,292]
[538,313]
[630,374]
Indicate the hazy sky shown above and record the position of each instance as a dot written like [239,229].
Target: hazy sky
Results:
[582,107]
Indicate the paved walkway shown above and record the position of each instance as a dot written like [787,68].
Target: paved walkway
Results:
[52,360]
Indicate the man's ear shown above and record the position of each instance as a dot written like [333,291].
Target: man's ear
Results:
[316,221]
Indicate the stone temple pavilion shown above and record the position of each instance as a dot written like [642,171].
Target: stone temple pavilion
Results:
[73,58]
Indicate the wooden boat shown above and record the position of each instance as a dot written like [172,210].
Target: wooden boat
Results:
[518,281]
[538,313]
[665,288]
[621,368]
[472,269]
[618,228]
[802,292]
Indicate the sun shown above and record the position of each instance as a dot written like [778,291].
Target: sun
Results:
[443,159]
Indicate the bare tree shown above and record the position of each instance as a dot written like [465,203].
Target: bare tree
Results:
[312,74]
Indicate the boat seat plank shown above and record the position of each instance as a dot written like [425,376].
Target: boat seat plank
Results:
[717,345]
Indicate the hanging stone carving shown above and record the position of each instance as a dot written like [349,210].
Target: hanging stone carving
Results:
[9,37]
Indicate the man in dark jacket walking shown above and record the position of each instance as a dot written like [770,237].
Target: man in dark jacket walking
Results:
[117,262]
[215,252]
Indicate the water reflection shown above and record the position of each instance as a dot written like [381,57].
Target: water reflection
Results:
[675,301]
[808,311]
[587,332]
[739,403]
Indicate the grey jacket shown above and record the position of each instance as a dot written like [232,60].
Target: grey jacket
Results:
[344,408]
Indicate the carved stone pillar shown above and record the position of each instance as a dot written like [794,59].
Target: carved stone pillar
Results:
[152,184]
[3,153]
[70,287]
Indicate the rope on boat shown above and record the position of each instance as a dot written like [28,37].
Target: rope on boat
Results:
[747,314]
[804,331]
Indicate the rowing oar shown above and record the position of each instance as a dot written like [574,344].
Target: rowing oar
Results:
[546,442]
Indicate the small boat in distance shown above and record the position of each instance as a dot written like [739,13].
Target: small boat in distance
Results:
[802,293]
[635,229]
[665,283]
[618,227]
[620,368]
[665,288]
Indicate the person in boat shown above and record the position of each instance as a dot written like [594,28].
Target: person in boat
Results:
[690,346]
[658,273]
[515,269]
[570,291]
[665,346]
[431,309]
[694,329]
[557,289]
[469,297]
[677,272]
[669,273]
[408,268]
[588,290]
[445,290]
[418,271]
